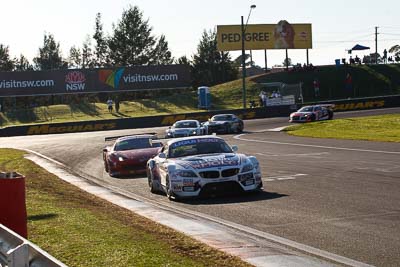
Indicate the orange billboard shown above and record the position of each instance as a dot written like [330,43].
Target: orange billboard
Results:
[265,36]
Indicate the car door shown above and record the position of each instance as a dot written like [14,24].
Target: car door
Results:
[161,165]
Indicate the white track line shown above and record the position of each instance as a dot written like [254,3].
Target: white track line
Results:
[239,137]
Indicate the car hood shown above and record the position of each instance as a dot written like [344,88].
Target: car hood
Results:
[144,153]
[215,122]
[181,130]
[210,161]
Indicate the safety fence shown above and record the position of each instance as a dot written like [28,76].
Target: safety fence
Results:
[165,120]
[16,251]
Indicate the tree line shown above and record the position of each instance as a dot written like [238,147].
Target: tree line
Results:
[131,43]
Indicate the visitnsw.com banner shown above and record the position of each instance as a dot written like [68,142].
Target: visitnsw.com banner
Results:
[282,35]
[94,80]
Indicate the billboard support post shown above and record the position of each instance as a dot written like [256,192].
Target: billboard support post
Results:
[243,67]
[287,60]
[243,32]
[265,58]
[307,57]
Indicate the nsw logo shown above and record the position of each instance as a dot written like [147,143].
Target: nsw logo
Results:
[111,78]
[75,81]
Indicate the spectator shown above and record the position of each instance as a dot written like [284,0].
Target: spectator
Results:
[385,56]
[316,87]
[349,85]
[117,105]
[110,105]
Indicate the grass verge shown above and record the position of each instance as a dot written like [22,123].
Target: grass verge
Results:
[384,128]
[82,230]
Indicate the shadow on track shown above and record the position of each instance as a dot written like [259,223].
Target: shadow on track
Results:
[233,198]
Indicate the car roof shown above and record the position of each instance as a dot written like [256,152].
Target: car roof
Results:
[225,114]
[193,137]
[187,121]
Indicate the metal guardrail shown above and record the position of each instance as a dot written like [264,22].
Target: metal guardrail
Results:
[16,251]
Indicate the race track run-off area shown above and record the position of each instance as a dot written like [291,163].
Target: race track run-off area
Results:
[339,196]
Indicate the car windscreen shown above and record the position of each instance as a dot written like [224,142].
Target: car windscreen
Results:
[130,144]
[306,109]
[186,124]
[198,146]
[222,118]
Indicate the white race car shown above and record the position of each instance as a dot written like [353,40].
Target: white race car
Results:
[185,128]
[188,167]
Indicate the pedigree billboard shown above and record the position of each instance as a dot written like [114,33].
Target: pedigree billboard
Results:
[74,81]
[265,36]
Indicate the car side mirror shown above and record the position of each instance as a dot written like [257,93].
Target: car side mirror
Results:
[235,148]
[105,149]
[162,155]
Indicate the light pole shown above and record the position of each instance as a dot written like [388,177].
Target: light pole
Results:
[243,28]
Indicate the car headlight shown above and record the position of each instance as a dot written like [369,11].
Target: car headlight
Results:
[120,158]
[247,167]
[194,132]
[185,173]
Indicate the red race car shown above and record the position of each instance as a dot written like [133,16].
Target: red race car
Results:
[129,154]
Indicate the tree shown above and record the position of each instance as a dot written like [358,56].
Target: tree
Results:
[161,54]
[49,55]
[396,51]
[287,62]
[88,60]
[6,64]
[101,46]
[22,64]
[183,60]
[211,66]
[75,57]
[132,42]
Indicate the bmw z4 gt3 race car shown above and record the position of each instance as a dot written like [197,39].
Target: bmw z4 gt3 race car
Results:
[312,113]
[188,167]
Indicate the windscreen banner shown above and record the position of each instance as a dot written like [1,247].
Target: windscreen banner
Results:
[73,81]
[264,36]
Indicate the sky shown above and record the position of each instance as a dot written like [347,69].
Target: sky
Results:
[336,25]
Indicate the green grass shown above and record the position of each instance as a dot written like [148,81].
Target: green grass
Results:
[384,128]
[82,230]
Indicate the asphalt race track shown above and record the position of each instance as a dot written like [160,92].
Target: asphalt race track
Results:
[340,196]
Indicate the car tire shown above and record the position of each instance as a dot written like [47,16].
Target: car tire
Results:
[313,117]
[150,180]
[330,115]
[227,128]
[106,168]
[169,193]
[240,128]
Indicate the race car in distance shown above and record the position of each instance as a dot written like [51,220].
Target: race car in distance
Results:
[129,154]
[312,113]
[224,123]
[185,128]
[190,166]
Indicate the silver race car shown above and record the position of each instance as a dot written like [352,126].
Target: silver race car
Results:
[312,113]
[185,128]
[188,167]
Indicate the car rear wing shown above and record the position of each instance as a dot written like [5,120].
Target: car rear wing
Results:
[111,138]
[328,106]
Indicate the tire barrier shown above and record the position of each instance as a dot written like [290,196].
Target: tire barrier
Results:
[12,202]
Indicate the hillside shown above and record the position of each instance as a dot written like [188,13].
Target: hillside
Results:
[371,80]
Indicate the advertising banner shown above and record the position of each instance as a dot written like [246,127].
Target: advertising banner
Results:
[265,36]
[75,81]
